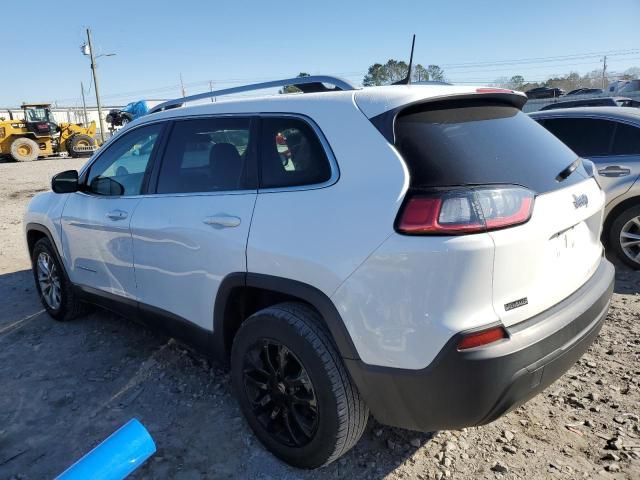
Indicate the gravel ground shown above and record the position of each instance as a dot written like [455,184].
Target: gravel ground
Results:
[66,386]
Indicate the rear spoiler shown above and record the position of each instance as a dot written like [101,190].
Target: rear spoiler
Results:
[385,121]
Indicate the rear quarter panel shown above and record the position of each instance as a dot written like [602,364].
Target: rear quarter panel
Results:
[320,236]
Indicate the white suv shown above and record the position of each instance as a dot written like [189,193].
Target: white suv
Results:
[424,252]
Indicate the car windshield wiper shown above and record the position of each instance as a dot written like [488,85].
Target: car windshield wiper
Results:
[568,171]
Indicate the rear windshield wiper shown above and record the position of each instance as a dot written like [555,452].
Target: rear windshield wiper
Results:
[568,171]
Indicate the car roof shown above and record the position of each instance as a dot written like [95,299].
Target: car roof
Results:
[371,101]
[622,113]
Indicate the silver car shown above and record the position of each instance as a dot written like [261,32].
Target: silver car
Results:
[610,138]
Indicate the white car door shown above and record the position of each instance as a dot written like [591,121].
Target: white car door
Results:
[192,232]
[95,221]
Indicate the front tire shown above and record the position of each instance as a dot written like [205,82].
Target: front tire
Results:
[293,388]
[24,149]
[77,144]
[624,236]
[54,288]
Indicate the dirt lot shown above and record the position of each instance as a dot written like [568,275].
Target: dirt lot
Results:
[66,386]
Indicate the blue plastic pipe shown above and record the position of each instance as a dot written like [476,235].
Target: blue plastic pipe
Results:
[116,457]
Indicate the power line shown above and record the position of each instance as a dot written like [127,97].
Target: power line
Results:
[527,64]
[558,58]
[532,67]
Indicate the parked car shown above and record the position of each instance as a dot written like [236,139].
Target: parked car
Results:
[544,92]
[594,102]
[120,117]
[632,86]
[586,91]
[610,138]
[426,253]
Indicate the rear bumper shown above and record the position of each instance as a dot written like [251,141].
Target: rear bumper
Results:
[474,387]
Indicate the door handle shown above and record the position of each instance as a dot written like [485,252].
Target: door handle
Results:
[222,221]
[614,171]
[117,215]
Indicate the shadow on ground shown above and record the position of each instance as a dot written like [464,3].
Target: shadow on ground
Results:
[67,386]
[627,279]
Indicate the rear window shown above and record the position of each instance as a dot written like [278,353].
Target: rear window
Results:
[456,143]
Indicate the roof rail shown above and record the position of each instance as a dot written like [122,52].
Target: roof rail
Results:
[309,84]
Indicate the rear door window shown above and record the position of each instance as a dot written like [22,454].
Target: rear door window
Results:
[207,155]
[478,143]
[627,140]
[291,154]
[588,137]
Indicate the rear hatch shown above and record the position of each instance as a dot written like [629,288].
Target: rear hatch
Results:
[541,257]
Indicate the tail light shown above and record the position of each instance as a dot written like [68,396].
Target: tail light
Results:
[465,210]
[484,337]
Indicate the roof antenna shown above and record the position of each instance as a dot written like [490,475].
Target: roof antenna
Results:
[407,80]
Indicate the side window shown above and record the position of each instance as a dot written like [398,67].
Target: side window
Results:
[207,155]
[627,140]
[120,169]
[586,136]
[291,154]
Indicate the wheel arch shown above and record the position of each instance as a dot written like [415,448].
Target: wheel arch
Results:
[36,231]
[242,294]
[615,212]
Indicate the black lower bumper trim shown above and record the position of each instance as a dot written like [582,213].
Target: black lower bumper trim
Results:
[467,388]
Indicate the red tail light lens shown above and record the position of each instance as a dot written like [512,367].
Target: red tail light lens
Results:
[461,211]
[493,90]
[479,339]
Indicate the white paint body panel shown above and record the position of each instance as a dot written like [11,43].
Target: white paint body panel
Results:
[179,259]
[99,250]
[319,236]
[410,296]
[552,255]
[376,100]
[46,209]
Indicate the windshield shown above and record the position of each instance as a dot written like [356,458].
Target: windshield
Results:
[37,115]
[480,143]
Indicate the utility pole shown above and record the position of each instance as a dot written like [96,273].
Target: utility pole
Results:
[84,106]
[95,84]
[184,94]
[211,88]
[604,73]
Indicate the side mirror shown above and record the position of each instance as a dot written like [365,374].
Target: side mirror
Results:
[65,182]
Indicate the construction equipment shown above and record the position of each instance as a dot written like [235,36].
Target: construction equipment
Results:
[37,135]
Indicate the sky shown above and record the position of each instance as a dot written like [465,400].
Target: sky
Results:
[236,42]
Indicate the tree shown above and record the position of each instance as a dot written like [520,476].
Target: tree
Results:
[292,88]
[390,72]
[376,75]
[420,74]
[516,82]
[395,70]
[436,74]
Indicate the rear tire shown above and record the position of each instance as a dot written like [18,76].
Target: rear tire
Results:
[24,149]
[293,388]
[624,236]
[52,284]
[80,140]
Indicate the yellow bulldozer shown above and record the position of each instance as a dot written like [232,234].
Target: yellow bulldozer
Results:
[37,135]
